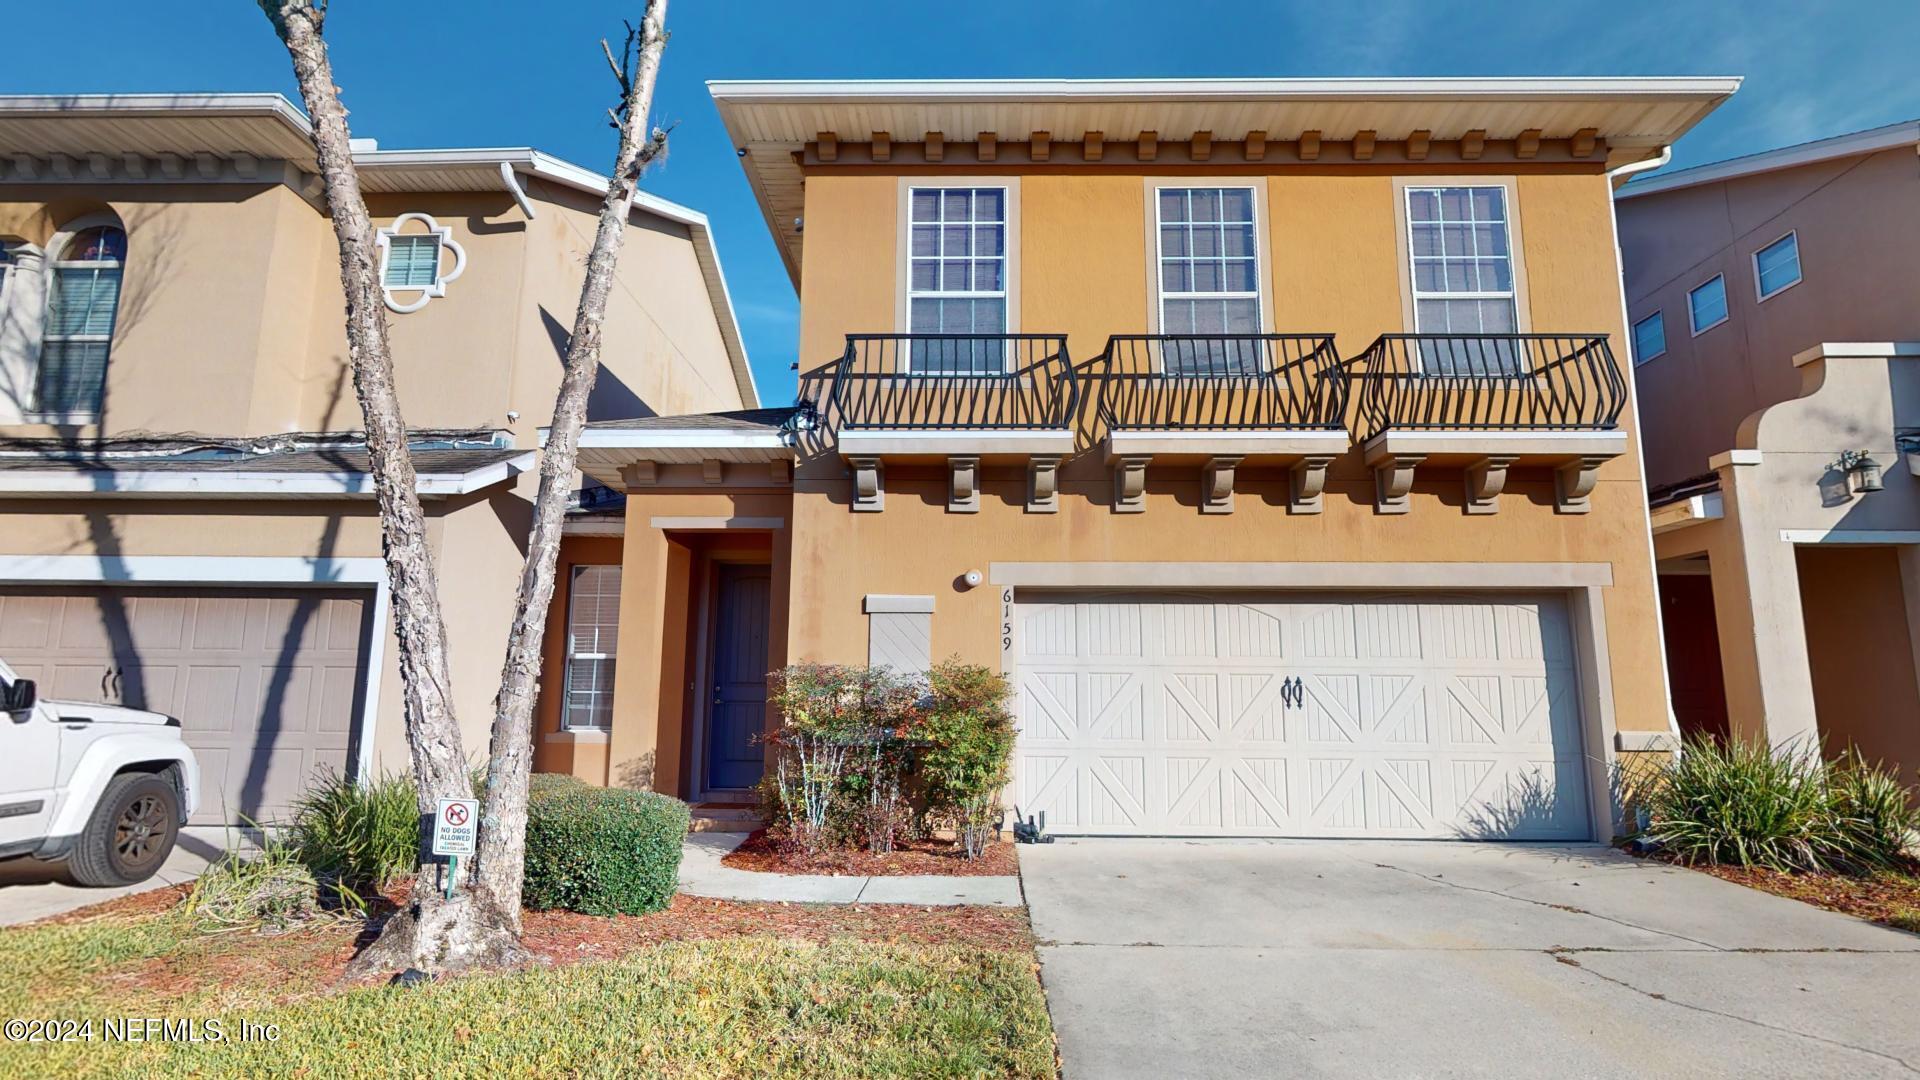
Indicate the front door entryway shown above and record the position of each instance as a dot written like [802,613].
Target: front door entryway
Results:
[737,677]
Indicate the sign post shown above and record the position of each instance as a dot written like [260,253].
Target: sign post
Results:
[455,825]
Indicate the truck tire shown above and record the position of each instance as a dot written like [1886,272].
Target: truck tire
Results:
[130,834]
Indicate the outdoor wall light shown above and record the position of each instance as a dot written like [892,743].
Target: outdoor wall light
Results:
[1862,472]
[973,578]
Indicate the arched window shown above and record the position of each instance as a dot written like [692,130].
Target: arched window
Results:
[83,301]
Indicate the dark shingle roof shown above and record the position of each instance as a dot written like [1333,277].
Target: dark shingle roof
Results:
[737,420]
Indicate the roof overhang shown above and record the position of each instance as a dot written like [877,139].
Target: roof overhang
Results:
[770,121]
[1856,144]
[218,483]
[265,138]
[605,452]
[1692,510]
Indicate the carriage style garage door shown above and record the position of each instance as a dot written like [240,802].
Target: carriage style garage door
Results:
[1282,714]
[266,683]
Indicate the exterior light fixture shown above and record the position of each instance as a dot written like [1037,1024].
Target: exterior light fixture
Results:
[1862,472]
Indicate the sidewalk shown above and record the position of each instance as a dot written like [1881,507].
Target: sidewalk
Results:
[702,875]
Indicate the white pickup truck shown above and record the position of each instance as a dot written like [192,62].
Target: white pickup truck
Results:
[104,787]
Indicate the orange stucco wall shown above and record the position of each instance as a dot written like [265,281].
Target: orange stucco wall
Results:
[1859,648]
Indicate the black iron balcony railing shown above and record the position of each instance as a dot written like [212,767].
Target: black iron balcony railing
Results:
[1209,382]
[924,382]
[1487,382]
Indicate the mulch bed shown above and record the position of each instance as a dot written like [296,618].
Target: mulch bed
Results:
[1888,899]
[769,851]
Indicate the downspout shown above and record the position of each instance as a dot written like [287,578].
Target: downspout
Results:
[1646,513]
[514,189]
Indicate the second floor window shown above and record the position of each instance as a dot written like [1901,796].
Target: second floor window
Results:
[83,303]
[1463,278]
[593,630]
[1209,278]
[413,262]
[1649,338]
[957,279]
[1707,304]
[1777,266]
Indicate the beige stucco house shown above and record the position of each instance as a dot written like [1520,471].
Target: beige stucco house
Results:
[1274,437]
[186,521]
[1777,360]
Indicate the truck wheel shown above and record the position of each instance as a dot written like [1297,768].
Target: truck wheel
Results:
[130,834]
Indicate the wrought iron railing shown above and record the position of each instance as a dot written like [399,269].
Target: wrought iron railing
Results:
[1212,382]
[1486,382]
[921,382]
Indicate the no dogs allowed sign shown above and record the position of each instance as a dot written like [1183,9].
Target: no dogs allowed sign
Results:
[455,823]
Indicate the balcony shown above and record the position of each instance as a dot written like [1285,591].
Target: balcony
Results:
[1218,401]
[965,399]
[1487,403]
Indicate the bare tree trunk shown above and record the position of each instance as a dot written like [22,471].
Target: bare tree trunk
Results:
[434,934]
[501,862]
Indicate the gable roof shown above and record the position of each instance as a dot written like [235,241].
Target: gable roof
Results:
[770,120]
[1871,141]
[245,129]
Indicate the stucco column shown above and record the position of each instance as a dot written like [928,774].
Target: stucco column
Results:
[1756,601]
[647,691]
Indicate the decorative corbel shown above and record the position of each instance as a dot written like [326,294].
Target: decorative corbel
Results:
[963,485]
[641,474]
[1200,146]
[99,167]
[1092,145]
[713,470]
[1256,145]
[1309,146]
[1130,484]
[1149,146]
[780,471]
[1039,145]
[206,165]
[1485,479]
[1043,484]
[1363,145]
[881,149]
[1573,484]
[1216,484]
[135,164]
[1307,481]
[868,478]
[936,146]
[1418,144]
[1392,480]
[987,146]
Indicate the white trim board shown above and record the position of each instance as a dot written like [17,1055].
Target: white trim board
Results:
[1850,536]
[287,570]
[218,483]
[1477,576]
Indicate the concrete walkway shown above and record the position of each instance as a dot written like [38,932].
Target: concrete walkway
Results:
[702,875]
[1342,959]
[31,889]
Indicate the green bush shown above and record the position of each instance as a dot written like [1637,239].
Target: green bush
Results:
[267,890]
[602,851]
[967,736]
[357,838]
[1740,803]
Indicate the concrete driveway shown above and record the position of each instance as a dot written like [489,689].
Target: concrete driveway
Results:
[31,889]
[1179,958]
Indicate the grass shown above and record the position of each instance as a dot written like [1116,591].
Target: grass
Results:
[818,1002]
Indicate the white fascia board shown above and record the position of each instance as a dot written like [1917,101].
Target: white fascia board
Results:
[803,90]
[678,439]
[1905,133]
[1707,506]
[129,104]
[45,482]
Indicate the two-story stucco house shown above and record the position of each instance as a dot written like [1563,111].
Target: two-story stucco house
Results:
[186,520]
[1274,437]
[1777,358]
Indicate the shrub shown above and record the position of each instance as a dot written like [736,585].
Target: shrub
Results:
[1741,803]
[840,754]
[357,838]
[270,890]
[967,736]
[602,851]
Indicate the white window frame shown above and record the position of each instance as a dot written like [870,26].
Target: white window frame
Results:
[1009,294]
[1726,304]
[383,238]
[1800,269]
[1261,294]
[1508,193]
[566,692]
[1634,338]
[57,250]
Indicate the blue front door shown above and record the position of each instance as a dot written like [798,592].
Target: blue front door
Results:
[737,705]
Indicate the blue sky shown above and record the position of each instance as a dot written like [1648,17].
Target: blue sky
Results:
[493,73]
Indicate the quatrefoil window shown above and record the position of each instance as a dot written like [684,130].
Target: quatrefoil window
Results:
[414,261]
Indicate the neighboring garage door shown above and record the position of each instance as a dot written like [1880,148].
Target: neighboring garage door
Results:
[266,683]
[1412,715]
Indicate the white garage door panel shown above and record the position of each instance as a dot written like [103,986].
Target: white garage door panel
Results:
[1417,716]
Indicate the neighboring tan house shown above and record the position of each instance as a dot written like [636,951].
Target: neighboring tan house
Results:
[1267,434]
[186,519]
[1777,338]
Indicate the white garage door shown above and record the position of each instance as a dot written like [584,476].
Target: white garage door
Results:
[1400,715]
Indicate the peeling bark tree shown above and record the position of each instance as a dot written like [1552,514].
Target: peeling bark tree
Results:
[501,861]
[478,926]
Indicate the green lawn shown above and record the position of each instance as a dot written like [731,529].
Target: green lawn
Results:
[756,1005]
